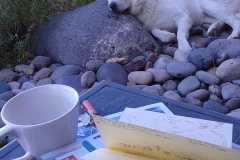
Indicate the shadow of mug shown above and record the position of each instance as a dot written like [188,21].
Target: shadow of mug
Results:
[42,119]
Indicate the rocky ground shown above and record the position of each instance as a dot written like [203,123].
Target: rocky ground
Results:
[205,82]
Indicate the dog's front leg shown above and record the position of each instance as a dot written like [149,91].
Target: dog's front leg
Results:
[184,26]
[163,35]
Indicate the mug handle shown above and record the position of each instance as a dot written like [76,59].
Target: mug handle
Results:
[6,131]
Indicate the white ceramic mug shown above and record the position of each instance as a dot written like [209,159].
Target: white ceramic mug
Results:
[42,119]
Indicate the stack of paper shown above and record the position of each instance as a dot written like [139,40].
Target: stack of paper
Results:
[158,136]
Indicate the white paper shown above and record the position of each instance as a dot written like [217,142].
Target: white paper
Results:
[217,133]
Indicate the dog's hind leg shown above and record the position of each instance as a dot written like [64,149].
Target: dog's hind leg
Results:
[214,28]
[164,36]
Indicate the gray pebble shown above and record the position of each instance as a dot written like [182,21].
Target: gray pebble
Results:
[230,91]
[14,85]
[26,69]
[233,104]
[24,78]
[7,75]
[94,65]
[216,107]
[172,95]
[17,91]
[88,79]
[159,89]
[44,81]
[67,70]
[162,63]
[7,95]
[229,70]
[72,81]
[151,89]
[42,73]
[27,85]
[181,69]
[215,98]
[193,101]
[2,103]
[207,78]
[159,75]
[188,84]
[138,87]
[140,77]
[235,113]
[4,87]
[215,89]
[40,62]
[54,66]
[169,85]
[236,82]
[113,72]
[200,94]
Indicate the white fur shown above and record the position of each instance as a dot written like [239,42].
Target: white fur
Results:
[170,20]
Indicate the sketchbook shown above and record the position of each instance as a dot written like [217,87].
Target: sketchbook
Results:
[133,142]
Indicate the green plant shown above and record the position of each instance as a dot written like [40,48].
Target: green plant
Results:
[19,18]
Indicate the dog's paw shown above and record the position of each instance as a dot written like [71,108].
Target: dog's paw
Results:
[164,36]
[185,47]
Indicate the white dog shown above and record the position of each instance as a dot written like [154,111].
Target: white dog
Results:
[166,18]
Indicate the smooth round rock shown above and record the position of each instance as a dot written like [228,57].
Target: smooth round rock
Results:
[162,63]
[229,70]
[170,51]
[4,87]
[202,58]
[148,65]
[236,82]
[215,98]
[113,72]
[7,95]
[188,84]
[230,91]
[2,103]
[121,61]
[42,73]
[150,56]
[159,89]
[54,66]
[27,85]
[14,85]
[94,65]
[215,89]
[68,70]
[140,77]
[26,69]
[151,89]
[216,107]
[72,81]
[207,78]
[172,95]
[235,113]
[169,85]
[233,104]
[135,65]
[24,78]
[193,101]
[40,62]
[7,75]
[88,79]
[44,81]
[181,69]
[138,87]
[201,94]
[159,75]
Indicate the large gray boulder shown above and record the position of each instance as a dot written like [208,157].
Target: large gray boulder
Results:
[92,32]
